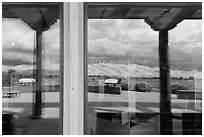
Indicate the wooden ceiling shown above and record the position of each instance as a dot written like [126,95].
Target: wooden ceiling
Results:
[159,15]
[37,16]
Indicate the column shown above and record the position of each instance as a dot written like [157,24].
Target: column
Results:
[38,93]
[74,68]
[165,95]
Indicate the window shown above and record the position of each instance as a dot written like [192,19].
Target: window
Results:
[101,68]
[31,72]
[123,77]
[186,75]
[133,85]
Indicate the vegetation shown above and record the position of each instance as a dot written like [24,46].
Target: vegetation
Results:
[150,84]
[124,86]
[174,87]
[141,87]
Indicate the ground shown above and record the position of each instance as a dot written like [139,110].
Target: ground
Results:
[22,108]
[49,123]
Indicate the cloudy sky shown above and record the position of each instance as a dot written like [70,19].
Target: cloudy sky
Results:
[134,40]
[19,43]
[131,40]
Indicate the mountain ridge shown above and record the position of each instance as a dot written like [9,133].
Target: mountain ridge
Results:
[113,69]
[135,70]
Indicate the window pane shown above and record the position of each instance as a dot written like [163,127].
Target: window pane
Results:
[123,77]
[186,76]
[30,68]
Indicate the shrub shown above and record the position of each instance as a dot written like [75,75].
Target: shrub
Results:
[154,89]
[141,87]
[124,86]
[174,87]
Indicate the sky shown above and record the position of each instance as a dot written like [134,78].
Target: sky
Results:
[18,44]
[134,40]
[126,40]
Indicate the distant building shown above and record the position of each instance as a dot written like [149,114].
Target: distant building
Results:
[27,81]
[113,82]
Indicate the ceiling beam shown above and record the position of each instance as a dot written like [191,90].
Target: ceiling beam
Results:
[32,15]
[166,21]
[120,12]
[184,13]
[49,17]
[140,10]
[29,4]
[145,4]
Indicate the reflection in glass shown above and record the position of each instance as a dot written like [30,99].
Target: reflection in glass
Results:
[123,78]
[186,77]
[30,69]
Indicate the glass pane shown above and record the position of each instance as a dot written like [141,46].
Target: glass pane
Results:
[185,47]
[123,77]
[30,69]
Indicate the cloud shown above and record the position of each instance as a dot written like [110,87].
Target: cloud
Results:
[17,41]
[101,25]
[106,47]
[119,37]
[186,45]
[18,45]
[187,30]
[122,39]
[52,39]
[135,40]
[18,67]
